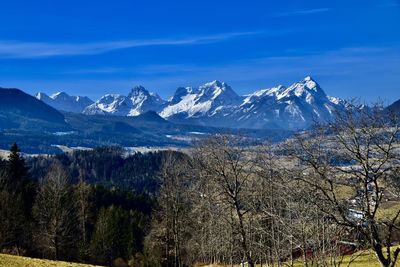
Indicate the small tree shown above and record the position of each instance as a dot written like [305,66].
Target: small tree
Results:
[54,214]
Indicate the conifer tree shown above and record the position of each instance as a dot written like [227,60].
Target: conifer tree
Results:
[14,207]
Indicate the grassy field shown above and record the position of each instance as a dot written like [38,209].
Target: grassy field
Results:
[17,261]
[363,259]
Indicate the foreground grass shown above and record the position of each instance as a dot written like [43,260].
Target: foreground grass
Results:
[18,261]
[359,259]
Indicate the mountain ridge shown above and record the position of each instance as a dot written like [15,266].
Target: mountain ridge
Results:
[21,110]
[216,104]
[138,101]
[65,102]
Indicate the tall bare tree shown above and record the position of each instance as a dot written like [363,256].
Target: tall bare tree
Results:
[348,167]
[82,198]
[54,213]
[224,163]
[172,220]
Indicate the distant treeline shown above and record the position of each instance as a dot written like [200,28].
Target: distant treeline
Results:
[105,166]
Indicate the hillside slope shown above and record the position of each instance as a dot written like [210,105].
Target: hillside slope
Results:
[18,261]
[16,101]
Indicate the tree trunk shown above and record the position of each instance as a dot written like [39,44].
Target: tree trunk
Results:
[56,248]
[243,235]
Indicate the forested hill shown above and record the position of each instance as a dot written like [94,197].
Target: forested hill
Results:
[17,102]
[106,166]
[87,206]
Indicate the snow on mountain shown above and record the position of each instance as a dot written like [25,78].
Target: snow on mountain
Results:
[294,107]
[65,102]
[143,101]
[108,104]
[212,100]
[216,104]
[138,101]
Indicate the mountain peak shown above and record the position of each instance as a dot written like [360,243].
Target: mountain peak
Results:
[65,102]
[308,78]
[21,104]
[214,83]
[310,83]
[42,96]
[179,93]
[208,100]
[138,101]
[215,89]
[139,89]
[306,88]
[59,94]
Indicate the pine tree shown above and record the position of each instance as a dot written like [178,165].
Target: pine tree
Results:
[112,235]
[14,205]
[14,175]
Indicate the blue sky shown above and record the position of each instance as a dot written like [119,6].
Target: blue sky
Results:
[352,48]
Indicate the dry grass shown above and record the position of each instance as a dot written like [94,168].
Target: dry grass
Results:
[360,259]
[17,261]
[388,210]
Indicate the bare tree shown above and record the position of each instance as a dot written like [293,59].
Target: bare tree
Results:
[82,198]
[224,163]
[172,220]
[348,166]
[216,233]
[271,207]
[54,214]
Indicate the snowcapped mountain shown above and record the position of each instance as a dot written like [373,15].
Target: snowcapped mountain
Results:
[65,102]
[216,104]
[138,101]
[206,104]
[294,107]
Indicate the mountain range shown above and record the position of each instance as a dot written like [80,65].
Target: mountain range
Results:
[20,109]
[138,101]
[216,104]
[63,101]
[42,123]
[40,128]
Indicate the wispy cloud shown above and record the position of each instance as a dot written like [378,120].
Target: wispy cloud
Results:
[16,49]
[344,72]
[101,70]
[303,12]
